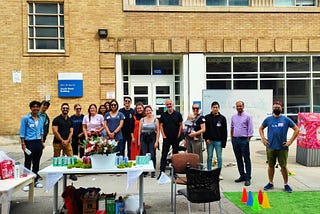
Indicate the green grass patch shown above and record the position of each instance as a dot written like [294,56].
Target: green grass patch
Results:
[281,202]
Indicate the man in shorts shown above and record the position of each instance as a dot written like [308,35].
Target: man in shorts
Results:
[277,144]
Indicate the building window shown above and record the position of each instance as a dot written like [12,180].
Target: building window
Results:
[46,27]
[157,2]
[294,79]
[294,3]
[227,2]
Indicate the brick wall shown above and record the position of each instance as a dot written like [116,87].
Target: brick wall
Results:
[131,32]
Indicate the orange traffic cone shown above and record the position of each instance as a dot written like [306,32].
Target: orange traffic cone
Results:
[260,197]
[244,198]
[265,202]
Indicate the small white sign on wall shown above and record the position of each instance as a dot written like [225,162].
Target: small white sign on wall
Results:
[16,76]
[110,95]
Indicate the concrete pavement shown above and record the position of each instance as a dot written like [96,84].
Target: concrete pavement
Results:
[157,197]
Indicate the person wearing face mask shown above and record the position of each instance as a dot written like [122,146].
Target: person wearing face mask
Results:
[277,145]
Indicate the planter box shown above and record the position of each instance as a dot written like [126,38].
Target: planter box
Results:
[103,161]
[308,157]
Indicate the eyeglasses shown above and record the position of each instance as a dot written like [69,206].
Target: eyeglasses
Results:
[65,108]
[195,108]
[127,101]
[113,105]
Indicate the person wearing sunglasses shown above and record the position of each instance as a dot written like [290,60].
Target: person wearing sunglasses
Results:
[77,119]
[194,137]
[113,122]
[128,124]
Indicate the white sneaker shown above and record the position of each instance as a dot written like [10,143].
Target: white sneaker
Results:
[220,177]
[38,185]
[26,188]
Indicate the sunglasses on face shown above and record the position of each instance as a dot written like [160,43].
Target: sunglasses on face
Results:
[195,108]
[65,108]
[127,101]
[113,105]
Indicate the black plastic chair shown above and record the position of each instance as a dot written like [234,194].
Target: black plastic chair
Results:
[178,172]
[202,187]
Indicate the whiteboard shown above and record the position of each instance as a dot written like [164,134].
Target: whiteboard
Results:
[257,103]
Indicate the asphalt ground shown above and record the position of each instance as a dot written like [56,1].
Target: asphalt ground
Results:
[157,197]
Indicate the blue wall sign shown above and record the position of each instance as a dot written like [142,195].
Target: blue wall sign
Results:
[157,71]
[70,85]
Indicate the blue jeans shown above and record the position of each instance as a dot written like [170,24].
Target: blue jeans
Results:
[214,145]
[241,151]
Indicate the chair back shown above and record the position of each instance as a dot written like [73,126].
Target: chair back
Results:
[181,160]
[203,185]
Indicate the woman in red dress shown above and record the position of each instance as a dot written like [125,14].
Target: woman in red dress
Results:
[135,148]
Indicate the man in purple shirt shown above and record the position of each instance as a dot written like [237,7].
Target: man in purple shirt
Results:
[241,132]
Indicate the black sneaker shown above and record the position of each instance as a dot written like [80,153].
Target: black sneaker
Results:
[247,183]
[73,177]
[240,179]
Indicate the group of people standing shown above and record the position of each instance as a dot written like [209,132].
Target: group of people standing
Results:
[138,131]
[122,125]
[213,126]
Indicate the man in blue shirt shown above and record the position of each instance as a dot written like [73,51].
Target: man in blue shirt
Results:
[277,143]
[31,137]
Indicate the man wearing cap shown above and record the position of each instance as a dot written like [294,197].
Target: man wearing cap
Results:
[276,143]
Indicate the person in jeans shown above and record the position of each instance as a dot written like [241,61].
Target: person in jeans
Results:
[31,138]
[241,133]
[277,145]
[215,135]
[171,130]
[148,138]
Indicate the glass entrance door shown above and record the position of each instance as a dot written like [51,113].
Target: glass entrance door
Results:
[153,94]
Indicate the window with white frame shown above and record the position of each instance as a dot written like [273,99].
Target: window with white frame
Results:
[293,79]
[227,2]
[158,2]
[295,3]
[46,27]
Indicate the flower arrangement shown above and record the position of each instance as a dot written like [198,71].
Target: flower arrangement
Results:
[99,145]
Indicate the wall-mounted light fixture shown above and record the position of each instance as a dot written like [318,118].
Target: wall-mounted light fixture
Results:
[103,33]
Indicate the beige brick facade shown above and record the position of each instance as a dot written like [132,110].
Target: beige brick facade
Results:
[258,29]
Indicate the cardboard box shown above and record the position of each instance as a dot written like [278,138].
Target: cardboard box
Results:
[90,205]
